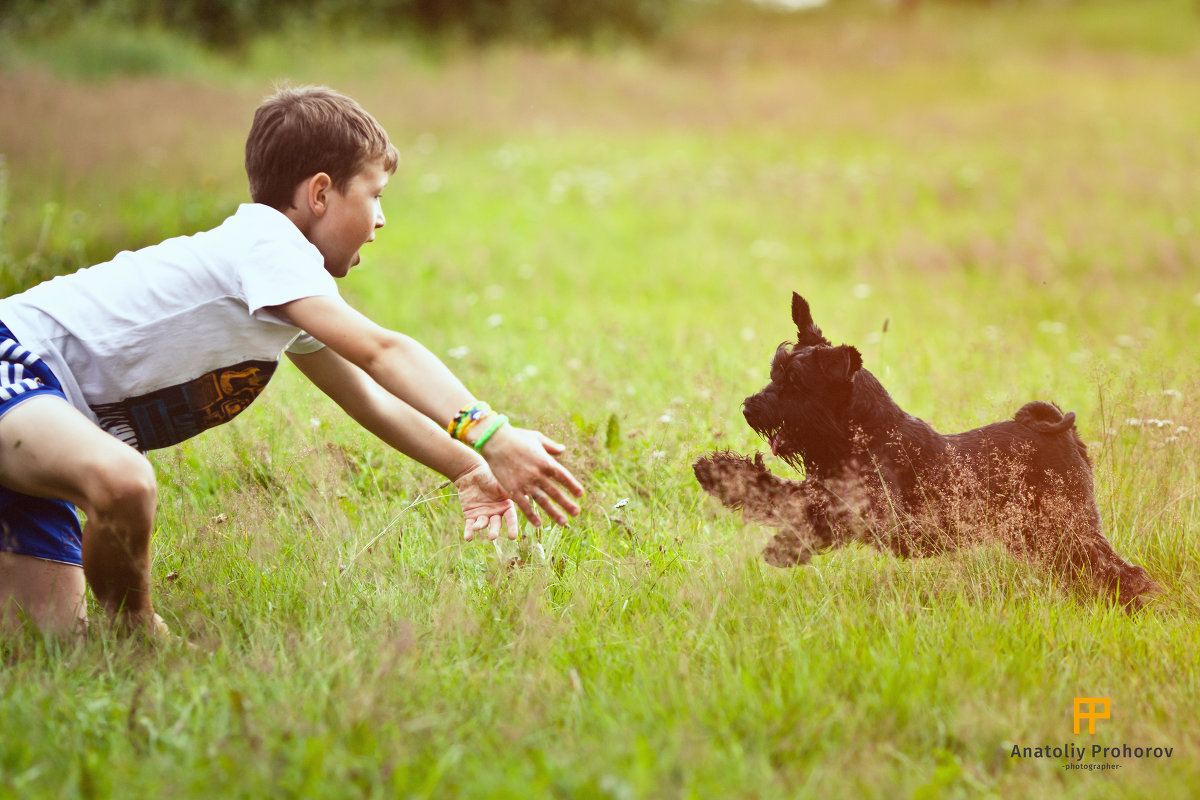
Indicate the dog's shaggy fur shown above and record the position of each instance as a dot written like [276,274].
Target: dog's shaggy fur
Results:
[877,474]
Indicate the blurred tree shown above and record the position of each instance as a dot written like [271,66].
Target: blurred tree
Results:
[228,23]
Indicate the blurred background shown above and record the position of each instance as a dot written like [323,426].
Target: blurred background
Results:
[601,211]
[992,177]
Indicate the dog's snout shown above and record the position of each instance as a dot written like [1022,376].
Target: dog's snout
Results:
[750,404]
[755,408]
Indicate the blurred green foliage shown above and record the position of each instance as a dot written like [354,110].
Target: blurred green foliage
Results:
[230,23]
[18,272]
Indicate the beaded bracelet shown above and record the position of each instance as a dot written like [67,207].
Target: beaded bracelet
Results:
[466,418]
[495,423]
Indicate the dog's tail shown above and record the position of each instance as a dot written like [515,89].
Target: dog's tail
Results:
[1043,417]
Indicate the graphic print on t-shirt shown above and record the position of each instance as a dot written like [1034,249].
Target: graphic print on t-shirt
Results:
[168,416]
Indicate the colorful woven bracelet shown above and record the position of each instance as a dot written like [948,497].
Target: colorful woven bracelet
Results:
[471,414]
[461,433]
[494,424]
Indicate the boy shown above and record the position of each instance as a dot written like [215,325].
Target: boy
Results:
[158,345]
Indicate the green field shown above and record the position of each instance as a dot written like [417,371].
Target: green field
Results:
[996,203]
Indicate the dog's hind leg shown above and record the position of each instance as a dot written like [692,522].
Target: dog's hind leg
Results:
[1128,585]
[1079,550]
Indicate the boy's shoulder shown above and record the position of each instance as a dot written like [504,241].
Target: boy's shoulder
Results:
[254,232]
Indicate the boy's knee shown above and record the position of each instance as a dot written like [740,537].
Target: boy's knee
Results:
[125,487]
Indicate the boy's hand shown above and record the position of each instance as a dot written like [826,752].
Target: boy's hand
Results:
[524,464]
[484,504]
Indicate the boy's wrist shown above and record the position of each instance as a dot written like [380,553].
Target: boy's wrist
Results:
[473,465]
[478,437]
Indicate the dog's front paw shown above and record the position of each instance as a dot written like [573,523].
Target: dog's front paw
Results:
[726,476]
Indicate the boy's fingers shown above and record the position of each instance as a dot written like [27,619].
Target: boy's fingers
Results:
[568,480]
[560,475]
[548,498]
[528,509]
[477,524]
[563,479]
[565,501]
[510,521]
[551,446]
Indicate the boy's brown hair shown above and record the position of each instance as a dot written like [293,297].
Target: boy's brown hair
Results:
[300,131]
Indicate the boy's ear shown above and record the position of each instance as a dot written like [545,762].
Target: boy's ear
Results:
[315,193]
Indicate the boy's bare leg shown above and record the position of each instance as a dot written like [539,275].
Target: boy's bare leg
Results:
[49,593]
[49,449]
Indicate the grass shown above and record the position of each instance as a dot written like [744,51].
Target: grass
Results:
[995,205]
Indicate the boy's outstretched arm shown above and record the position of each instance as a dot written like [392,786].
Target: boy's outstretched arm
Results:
[484,502]
[522,460]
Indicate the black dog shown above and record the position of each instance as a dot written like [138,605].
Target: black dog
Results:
[877,474]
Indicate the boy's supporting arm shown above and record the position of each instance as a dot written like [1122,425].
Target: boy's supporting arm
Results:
[522,460]
[382,413]
[484,502]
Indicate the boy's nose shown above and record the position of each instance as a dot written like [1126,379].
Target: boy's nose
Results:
[379,218]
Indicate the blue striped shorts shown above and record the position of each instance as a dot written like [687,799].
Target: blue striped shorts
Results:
[33,526]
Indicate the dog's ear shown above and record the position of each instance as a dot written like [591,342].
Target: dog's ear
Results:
[807,332]
[839,364]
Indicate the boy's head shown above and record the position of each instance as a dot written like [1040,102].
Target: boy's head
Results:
[298,132]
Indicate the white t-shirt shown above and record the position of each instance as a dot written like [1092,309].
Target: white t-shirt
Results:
[160,344]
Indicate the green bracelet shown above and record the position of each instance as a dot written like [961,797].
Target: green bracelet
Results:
[494,424]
